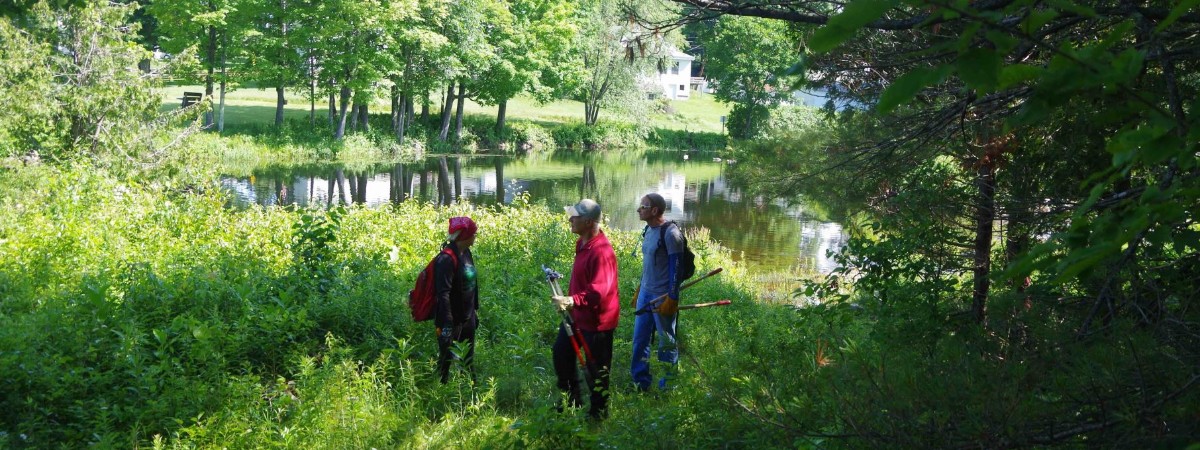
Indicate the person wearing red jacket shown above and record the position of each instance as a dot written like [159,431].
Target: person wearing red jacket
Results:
[593,302]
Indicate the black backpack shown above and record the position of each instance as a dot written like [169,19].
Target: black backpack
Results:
[687,259]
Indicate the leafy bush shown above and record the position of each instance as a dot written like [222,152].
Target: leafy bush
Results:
[529,137]
[194,323]
[601,136]
[686,140]
[76,88]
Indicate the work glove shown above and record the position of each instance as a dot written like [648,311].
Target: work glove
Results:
[564,303]
[668,307]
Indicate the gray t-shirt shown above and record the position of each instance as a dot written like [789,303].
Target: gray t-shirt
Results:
[655,277]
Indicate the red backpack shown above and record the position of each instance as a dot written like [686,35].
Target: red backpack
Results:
[421,298]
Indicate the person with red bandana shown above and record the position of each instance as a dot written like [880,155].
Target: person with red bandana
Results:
[593,302]
[456,290]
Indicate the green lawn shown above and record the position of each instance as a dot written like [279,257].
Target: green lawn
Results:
[252,105]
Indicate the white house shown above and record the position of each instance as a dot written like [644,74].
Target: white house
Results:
[675,78]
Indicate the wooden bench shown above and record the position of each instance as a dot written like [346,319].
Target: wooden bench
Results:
[190,98]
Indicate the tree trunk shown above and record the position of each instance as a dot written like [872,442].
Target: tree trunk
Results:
[394,103]
[499,181]
[445,130]
[329,190]
[985,214]
[396,193]
[409,112]
[341,181]
[444,181]
[405,116]
[353,125]
[364,118]
[224,82]
[332,110]
[406,180]
[211,70]
[279,102]
[500,111]
[458,115]
[425,108]
[340,132]
[457,179]
[362,188]
[221,108]
[587,183]
[312,101]
[424,183]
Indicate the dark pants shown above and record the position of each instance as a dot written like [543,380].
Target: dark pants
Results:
[446,354]
[565,363]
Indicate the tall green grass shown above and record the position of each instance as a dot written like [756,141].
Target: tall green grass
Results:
[138,315]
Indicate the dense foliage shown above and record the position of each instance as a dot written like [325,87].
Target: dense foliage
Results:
[75,87]
[179,322]
[1023,177]
[1020,176]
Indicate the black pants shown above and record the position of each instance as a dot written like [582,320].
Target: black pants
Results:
[565,363]
[446,355]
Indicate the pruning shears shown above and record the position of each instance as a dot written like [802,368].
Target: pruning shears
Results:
[568,324]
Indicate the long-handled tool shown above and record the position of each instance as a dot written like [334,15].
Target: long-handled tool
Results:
[658,300]
[568,324]
[705,305]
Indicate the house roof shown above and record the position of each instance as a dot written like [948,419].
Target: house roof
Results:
[678,55]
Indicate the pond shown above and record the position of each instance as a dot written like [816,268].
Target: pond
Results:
[766,234]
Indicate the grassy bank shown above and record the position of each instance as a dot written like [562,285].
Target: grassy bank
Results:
[690,124]
[701,113]
[138,314]
[183,324]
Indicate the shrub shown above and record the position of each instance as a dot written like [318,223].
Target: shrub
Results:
[528,137]
[601,136]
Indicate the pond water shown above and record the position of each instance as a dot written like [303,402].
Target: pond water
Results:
[764,233]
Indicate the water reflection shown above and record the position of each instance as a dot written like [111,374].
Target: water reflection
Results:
[761,232]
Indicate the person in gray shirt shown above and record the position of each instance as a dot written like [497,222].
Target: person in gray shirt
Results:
[662,243]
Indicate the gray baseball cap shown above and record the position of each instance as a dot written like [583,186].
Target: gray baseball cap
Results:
[586,208]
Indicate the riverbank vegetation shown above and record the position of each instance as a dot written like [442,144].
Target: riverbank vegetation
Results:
[181,322]
[687,125]
[1020,179]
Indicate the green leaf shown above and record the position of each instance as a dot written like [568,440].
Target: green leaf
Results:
[907,86]
[843,26]
[1143,141]
[1004,42]
[966,38]
[1084,259]
[1016,74]
[980,68]
[1162,148]
[1177,12]
[1037,19]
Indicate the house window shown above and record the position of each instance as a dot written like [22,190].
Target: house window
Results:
[675,69]
[682,87]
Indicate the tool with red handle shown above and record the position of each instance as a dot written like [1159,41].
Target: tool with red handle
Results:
[658,301]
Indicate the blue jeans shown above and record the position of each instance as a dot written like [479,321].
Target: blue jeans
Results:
[644,328]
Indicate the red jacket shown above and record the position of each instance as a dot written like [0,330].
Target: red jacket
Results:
[594,285]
